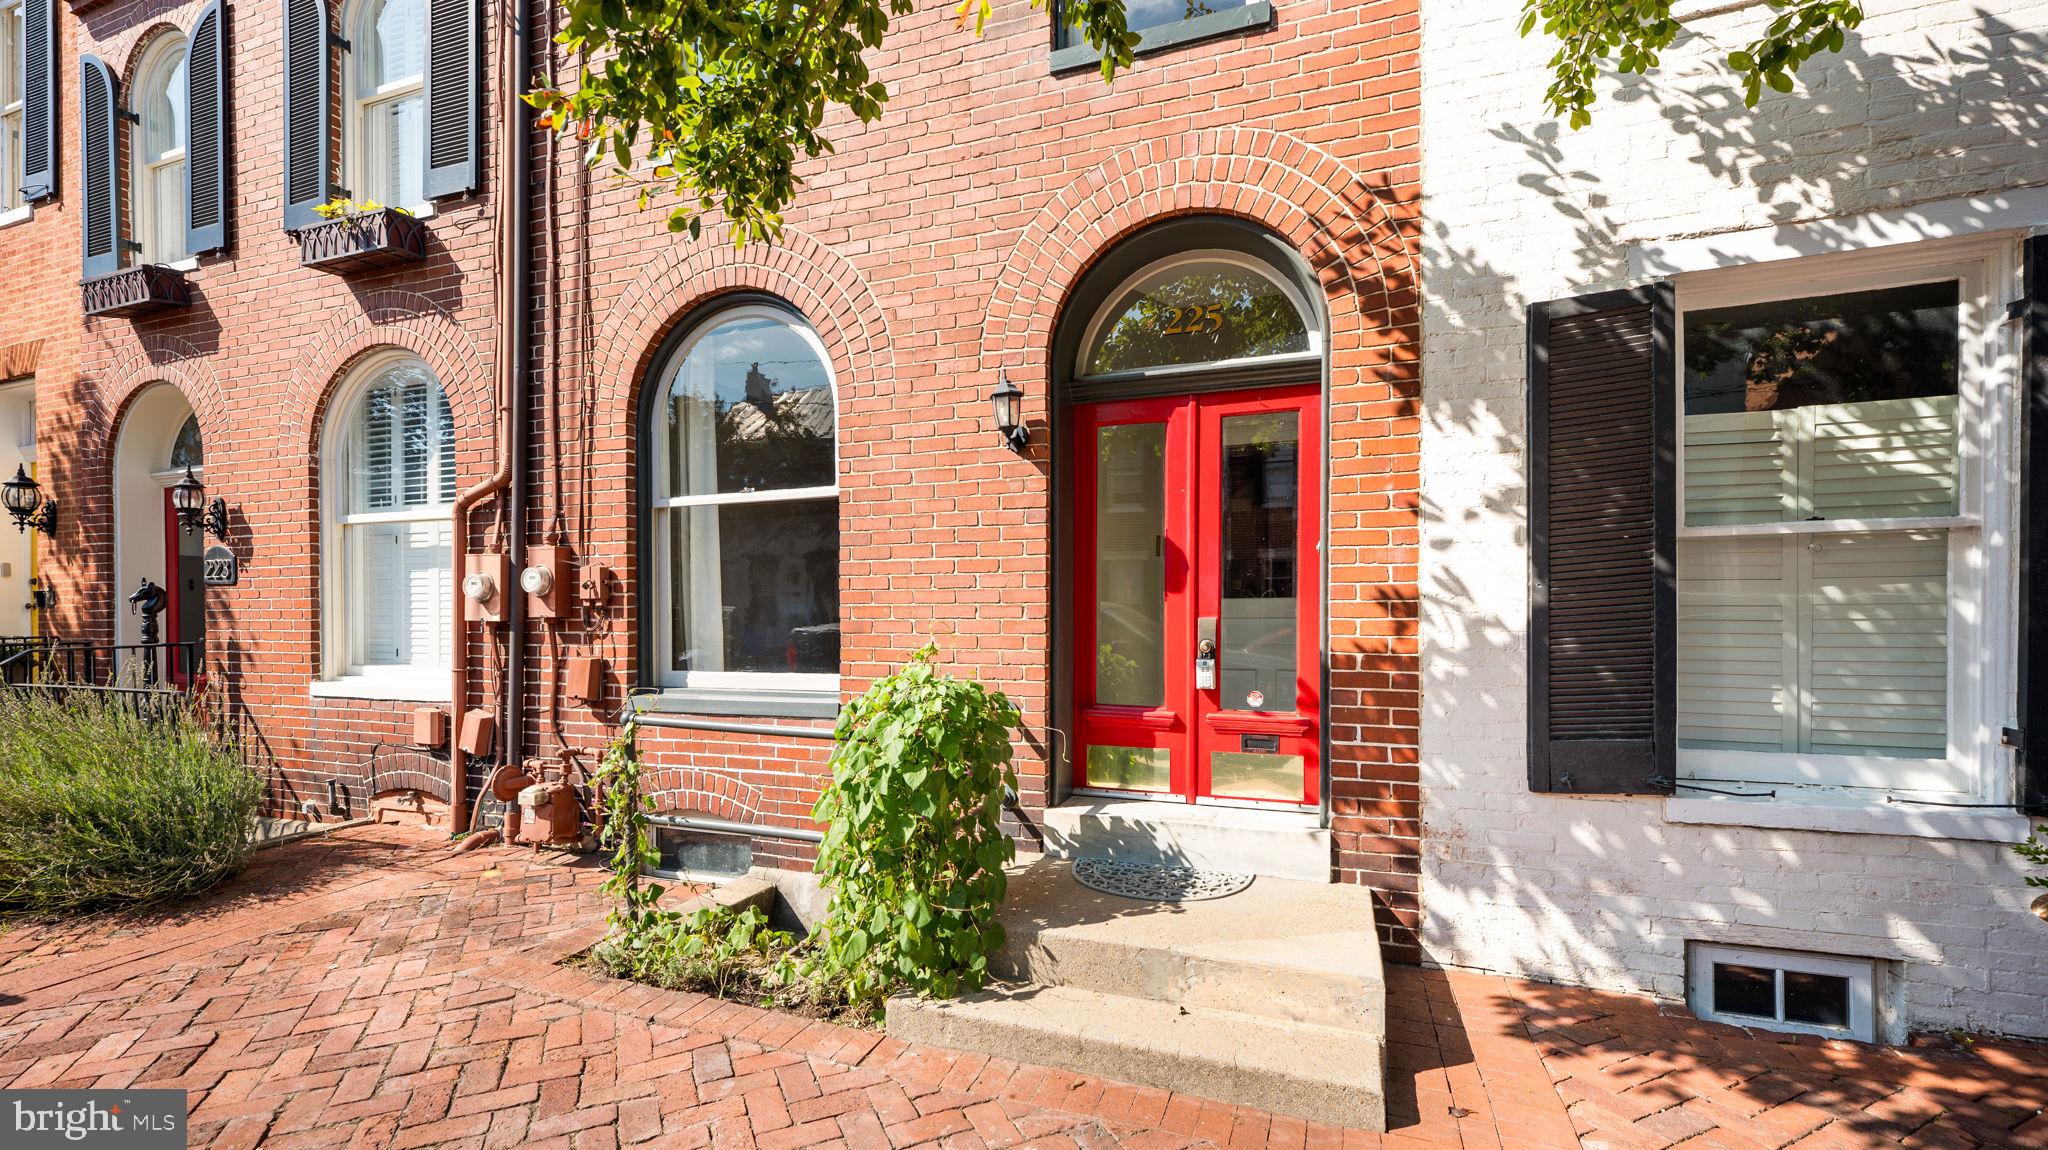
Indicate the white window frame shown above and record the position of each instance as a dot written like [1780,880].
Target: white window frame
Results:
[1236,259]
[1983,575]
[1861,974]
[663,581]
[365,167]
[156,248]
[341,673]
[13,119]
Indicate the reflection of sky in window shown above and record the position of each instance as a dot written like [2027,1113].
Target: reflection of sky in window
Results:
[1143,14]
[719,365]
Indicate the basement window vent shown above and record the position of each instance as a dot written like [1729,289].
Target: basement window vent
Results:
[702,854]
[1784,990]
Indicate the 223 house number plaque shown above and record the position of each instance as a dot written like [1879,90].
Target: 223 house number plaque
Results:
[219,567]
[1195,319]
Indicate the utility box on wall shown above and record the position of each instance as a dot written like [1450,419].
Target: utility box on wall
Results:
[484,593]
[546,582]
[583,679]
[429,726]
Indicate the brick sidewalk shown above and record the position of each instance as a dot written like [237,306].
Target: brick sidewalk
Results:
[366,990]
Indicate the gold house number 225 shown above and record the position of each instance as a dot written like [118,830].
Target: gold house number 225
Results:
[1195,319]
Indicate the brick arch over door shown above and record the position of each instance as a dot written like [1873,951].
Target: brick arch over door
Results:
[164,359]
[1358,240]
[1339,223]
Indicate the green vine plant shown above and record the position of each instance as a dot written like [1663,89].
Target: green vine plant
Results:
[914,848]
[913,856]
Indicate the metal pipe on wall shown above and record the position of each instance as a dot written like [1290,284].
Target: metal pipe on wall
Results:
[513,151]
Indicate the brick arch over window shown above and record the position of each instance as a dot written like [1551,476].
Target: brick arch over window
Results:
[391,319]
[1338,222]
[818,282]
[128,46]
[715,793]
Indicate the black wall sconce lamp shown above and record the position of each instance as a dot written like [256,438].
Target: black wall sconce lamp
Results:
[25,502]
[188,495]
[1008,401]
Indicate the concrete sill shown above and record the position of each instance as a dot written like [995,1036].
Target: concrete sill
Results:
[404,690]
[1850,816]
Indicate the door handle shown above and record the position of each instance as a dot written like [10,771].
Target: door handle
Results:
[1205,653]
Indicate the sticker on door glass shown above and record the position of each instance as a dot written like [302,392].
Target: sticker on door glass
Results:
[1255,700]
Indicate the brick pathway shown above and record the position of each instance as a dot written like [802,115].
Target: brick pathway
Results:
[366,990]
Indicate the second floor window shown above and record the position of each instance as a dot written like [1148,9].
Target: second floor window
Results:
[159,185]
[386,102]
[10,106]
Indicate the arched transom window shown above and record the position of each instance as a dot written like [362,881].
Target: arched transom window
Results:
[158,171]
[390,487]
[1198,310]
[745,507]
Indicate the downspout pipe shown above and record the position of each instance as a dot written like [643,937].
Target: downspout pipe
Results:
[505,387]
[514,308]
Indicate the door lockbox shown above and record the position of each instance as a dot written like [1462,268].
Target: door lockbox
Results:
[1205,653]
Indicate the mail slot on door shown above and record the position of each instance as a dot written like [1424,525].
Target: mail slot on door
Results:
[1267,743]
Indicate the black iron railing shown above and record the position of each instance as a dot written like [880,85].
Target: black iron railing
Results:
[71,665]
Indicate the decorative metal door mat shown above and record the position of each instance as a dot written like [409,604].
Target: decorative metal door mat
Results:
[1155,883]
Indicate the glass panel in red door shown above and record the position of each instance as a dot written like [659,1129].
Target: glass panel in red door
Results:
[1131,577]
[1256,580]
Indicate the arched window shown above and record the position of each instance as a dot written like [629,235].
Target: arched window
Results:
[158,170]
[744,510]
[390,481]
[386,102]
[1199,310]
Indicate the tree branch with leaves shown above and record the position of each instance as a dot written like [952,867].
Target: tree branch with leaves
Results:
[715,102]
[1628,35]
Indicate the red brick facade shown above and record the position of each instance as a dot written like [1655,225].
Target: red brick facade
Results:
[935,248]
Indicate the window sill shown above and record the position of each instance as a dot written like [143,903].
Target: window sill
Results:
[1836,813]
[1232,20]
[740,702]
[399,688]
[18,215]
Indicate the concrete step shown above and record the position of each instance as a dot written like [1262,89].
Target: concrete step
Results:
[1324,1073]
[1291,951]
[1282,844]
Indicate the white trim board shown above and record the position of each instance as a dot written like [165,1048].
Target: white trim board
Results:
[2013,211]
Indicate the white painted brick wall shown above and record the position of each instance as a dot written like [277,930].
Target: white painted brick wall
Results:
[1934,100]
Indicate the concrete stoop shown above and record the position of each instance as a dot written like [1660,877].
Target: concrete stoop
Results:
[1272,998]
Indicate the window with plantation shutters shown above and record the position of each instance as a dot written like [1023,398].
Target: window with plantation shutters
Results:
[206,189]
[1601,522]
[1829,536]
[99,192]
[307,146]
[394,485]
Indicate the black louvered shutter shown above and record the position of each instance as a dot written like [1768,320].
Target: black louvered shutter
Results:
[1603,611]
[38,99]
[2033,670]
[306,85]
[100,224]
[452,82]
[206,175]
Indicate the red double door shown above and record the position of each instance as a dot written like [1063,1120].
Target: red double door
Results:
[1197,580]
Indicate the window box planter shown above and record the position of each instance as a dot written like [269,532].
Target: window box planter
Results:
[363,240]
[136,291]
